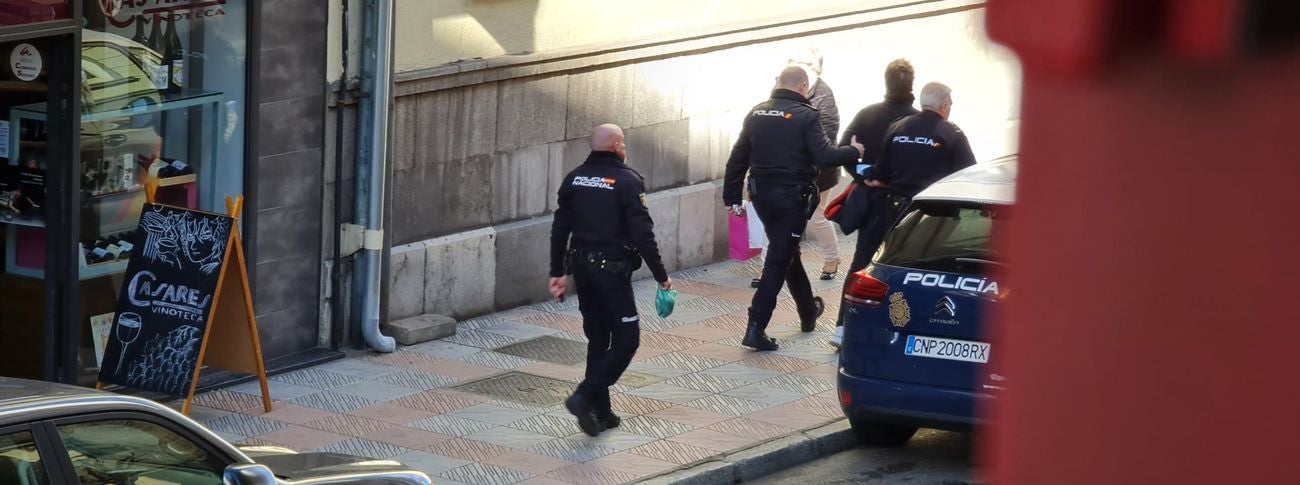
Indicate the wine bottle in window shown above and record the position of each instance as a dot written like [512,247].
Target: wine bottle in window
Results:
[158,76]
[174,57]
[139,37]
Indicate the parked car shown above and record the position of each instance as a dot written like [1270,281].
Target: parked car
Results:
[53,434]
[917,343]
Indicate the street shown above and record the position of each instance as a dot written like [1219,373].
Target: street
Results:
[931,458]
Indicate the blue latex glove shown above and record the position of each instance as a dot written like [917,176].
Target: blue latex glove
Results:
[665,301]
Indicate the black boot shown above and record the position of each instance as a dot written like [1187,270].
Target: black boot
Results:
[757,339]
[610,420]
[810,324]
[581,409]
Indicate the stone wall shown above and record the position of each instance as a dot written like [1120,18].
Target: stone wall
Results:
[480,148]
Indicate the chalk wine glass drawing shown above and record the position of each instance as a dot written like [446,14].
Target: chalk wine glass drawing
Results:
[128,329]
[184,240]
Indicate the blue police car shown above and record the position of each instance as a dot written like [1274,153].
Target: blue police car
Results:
[916,346]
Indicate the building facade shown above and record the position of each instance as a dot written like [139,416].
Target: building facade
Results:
[208,98]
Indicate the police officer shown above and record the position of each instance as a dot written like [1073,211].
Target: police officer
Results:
[919,150]
[780,146]
[602,205]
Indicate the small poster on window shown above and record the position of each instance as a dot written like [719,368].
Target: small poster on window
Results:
[4,139]
[101,326]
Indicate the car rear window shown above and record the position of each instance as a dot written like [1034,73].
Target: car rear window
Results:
[944,236]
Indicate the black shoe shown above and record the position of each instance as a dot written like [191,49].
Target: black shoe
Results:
[610,420]
[754,283]
[578,406]
[810,324]
[757,339]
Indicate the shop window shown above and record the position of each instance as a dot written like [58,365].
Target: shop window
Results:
[23,12]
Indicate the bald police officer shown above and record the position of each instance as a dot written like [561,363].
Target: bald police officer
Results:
[780,146]
[603,231]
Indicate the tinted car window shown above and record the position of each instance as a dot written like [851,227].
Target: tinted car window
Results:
[943,236]
[20,464]
[115,452]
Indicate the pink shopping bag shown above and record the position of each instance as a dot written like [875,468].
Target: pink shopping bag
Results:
[738,239]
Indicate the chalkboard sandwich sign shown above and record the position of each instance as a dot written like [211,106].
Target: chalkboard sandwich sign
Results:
[185,305]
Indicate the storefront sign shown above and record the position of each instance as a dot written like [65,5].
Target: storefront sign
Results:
[25,62]
[123,13]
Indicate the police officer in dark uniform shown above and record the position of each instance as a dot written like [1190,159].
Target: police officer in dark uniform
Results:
[603,231]
[780,147]
[918,151]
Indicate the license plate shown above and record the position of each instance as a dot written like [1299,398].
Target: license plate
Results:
[942,348]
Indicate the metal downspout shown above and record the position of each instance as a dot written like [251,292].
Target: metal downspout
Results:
[372,162]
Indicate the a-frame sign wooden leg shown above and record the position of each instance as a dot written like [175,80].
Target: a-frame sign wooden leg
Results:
[231,341]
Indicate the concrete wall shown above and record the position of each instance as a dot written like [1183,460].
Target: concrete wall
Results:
[480,148]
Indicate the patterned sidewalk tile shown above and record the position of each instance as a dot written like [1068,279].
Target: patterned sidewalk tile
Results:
[633,464]
[415,439]
[519,330]
[333,402]
[698,332]
[467,449]
[349,425]
[375,390]
[391,413]
[244,425]
[278,390]
[829,371]
[588,474]
[724,404]
[791,416]
[578,451]
[316,378]
[461,371]
[510,437]
[695,418]
[821,406]
[359,368]
[433,402]
[479,473]
[496,360]
[636,405]
[740,372]
[668,341]
[529,462]
[490,413]
[800,384]
[685,362]
[673,452]
[705,382]
[714,440]
[734,323]
[668,393]
[481,339]
[554,371]
[429,463]
[522,388]
[440,349]
[229,401]
[751,428]
[289,413]
[451,425]
[766,396]
[301,438]
[634,380]
[776,363]
[617,439]
[697,288]
[719,351]
[418,380]
[366,448]
[555,426]
[654,427]
[550,349]
[403,358]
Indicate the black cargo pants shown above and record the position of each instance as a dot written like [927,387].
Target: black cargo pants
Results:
[609,320]
[784,212]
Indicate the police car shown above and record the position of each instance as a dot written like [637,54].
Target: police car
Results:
[916,346]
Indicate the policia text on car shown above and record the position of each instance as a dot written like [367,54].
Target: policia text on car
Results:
[602,232]
[779,147]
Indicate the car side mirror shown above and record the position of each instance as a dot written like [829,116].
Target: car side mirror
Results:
[248,474]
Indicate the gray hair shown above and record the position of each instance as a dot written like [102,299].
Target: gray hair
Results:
[935,95]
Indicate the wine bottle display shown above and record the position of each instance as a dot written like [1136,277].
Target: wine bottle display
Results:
[174,57]
[159,76]
[139,37]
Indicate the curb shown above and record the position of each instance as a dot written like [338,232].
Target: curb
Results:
[764,459]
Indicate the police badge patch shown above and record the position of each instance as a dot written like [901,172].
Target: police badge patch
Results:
[899,312]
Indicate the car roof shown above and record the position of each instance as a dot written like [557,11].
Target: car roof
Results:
[14,392]
[992,182]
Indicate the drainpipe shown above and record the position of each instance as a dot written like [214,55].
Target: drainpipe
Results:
[372,163]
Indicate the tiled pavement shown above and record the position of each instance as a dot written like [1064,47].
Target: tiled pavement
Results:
[485,405]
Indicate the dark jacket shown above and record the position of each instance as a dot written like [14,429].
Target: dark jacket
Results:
[823,100]
[870,124]
[602,204]
[919,150]
[781,142]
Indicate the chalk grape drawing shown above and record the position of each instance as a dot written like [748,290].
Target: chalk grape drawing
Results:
[167,363]
[184,240]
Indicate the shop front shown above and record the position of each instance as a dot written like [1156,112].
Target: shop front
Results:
[97,98]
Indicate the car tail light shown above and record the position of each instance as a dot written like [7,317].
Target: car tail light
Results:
[846,398]
[865,290]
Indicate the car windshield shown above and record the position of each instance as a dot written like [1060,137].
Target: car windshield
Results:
[944,236]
